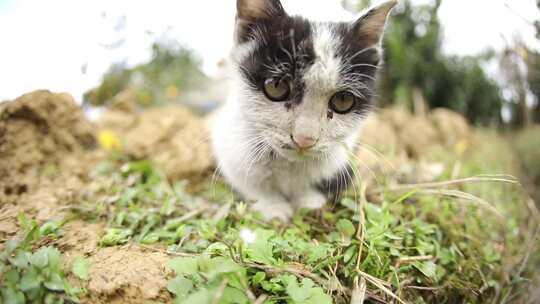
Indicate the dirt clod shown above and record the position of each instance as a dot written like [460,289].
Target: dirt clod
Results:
[127,275]
[173,137]
[37,130]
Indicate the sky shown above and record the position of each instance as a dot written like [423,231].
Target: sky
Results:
[61,45]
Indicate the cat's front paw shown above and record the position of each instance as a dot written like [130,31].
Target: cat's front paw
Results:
[311,200]
[272,208]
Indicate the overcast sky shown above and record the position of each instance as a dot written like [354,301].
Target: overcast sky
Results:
[45,44]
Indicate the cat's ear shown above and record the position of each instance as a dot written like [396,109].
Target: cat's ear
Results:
[256,10]
[370,26]
[251,13]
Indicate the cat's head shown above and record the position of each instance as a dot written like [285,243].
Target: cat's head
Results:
[305,87]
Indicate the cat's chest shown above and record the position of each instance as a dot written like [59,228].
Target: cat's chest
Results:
[293,174]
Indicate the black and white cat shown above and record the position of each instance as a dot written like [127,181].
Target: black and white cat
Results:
[301,91]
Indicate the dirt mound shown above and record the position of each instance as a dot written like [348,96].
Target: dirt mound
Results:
[173,137]
[395,130]
[395,140]
[452,127]
[127,275]
[37,130]
[418,135]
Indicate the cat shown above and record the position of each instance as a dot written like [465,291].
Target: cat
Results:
[301,92]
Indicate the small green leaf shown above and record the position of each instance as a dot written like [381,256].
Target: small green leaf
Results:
[224,265]
[12,276]
[55,259]
[115,236]
[30,280]
[180,287]
[21,260]
[202,296]
[297,293]
[262,249]
[150,238]
[184,266]
[50,227]
[55,282]
[306,293]
[350,204]
[350,253]
[40,258]
[80,268]
[258,278]
[11,296]
[233,296]
[11,245]
[346,227]
[429,269]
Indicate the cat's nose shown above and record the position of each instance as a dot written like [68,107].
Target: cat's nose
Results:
[304,142]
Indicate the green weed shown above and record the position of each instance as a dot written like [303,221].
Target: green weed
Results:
[31,272]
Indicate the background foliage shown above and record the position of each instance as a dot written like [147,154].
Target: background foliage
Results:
[172,70]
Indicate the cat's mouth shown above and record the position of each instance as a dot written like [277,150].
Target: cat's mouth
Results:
[291,152]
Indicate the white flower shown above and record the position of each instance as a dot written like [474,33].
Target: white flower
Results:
[247,235]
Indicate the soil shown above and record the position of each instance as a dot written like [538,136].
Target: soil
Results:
[48,150]
[172,137]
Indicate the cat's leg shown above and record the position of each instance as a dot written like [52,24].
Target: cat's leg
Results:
[310,199]
[267,200]
[273,206]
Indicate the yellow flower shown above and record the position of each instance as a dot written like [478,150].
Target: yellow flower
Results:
[171,92]
[109,141]
[460,147]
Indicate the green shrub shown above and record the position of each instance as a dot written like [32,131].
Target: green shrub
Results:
[527,143]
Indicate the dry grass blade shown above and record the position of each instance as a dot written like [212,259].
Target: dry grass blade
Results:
[475,179]
[379,284]
[361,230]
[359,292]
[464,196]
[220,292]
[372,278]
[261,299]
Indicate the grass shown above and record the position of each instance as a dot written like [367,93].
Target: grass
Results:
[33,272]
[468,240]
[527,143]
[415,243]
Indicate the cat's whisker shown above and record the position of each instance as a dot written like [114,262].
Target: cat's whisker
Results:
[361,75]
[213,180]
[255,155]
[367,167]
[342,179]
[359,65]
[378,154]
[362,51]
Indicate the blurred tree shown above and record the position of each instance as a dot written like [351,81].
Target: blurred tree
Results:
[514,72]
[537,22]
[416,63]
[172,71]
[533,79]
[533,72]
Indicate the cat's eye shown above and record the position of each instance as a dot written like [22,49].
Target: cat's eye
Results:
[277,89]
[343,102]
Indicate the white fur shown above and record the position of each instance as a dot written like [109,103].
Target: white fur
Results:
[250,126]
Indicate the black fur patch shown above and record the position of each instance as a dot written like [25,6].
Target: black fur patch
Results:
[334,187]
[360,60]
[284,50]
